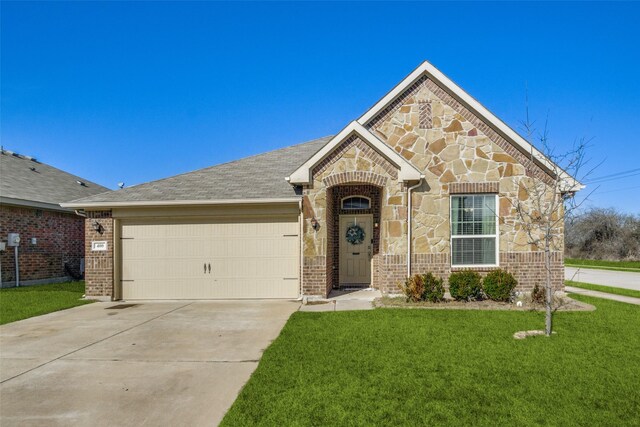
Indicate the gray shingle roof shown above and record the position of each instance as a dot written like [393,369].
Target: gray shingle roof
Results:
[256,177]
[24,179]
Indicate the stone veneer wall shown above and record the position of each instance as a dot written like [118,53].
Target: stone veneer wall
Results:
[457,148]
[99,264]
[59,242]
[458,153]
[354,162]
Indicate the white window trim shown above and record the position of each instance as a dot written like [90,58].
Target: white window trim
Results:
[496,235]
[351,197]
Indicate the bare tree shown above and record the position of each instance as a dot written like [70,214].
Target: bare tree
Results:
[549,200]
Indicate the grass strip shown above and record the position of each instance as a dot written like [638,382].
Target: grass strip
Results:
[28,301]
[605,289]
[604,265]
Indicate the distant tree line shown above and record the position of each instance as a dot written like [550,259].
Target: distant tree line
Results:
[604,234]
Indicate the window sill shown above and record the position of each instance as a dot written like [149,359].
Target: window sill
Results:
[474,267]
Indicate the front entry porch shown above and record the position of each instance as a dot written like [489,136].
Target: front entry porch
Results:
[353,235]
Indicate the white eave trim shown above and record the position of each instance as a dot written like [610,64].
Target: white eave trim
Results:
[168,203]
[490,118]
[406,171]
[33,204]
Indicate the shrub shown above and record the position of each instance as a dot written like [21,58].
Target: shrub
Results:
[498,285]
[413,288]
[538,295]
[465,286]
[433,288]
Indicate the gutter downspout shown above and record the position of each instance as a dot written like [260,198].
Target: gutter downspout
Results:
[409,190]
[17,263]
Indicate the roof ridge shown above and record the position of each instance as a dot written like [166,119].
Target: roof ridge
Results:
[18,155]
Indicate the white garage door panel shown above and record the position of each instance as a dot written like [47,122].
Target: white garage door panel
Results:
[248,260]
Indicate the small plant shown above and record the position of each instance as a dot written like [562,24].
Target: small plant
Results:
[465,286]
[413,288]
[498,285]
[538,295]
[433,288]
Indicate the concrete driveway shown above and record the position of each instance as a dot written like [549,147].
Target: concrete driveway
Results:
[157,363]
[617,279]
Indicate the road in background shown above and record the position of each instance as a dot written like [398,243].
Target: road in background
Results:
[616,279]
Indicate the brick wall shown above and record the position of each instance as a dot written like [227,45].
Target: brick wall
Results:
[527,267]
[314,271]
[393,271]
[60,241]
[99,264]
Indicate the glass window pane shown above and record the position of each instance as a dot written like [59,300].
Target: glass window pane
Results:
[356,202]
[473,215]
[489,227]
[474,251]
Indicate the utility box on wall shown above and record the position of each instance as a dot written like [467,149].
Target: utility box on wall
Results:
[13,239]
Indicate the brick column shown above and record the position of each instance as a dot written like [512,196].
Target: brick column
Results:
[99,264]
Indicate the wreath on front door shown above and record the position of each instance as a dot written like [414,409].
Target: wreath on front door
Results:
[355,234]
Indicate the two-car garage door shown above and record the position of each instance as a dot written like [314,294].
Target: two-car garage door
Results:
[209,259]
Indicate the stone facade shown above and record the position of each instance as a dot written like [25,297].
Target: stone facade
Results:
[99,275]
[459,154]
[57,252]
[354,162]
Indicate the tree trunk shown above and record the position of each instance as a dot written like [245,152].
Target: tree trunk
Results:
[548,299]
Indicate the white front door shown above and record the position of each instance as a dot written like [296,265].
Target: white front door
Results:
[356,234]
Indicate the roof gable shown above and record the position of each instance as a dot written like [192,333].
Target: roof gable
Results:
[406,171]
[429,71]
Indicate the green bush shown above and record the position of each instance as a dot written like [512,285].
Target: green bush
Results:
[413,288]
[465,286]
[498,285]
[433,288]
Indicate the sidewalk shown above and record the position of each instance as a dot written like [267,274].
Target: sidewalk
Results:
[361,299]
[596,294]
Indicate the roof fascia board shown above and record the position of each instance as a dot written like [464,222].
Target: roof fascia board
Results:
[407,172]
[104,205]
[32,204]
[491,119]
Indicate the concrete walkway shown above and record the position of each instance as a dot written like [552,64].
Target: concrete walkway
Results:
[361,299]
[604,295]
[173,363]
[617,279]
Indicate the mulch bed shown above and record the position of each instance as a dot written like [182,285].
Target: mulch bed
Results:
[561,304]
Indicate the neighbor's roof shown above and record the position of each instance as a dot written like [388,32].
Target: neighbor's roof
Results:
[256,178]
[24,181]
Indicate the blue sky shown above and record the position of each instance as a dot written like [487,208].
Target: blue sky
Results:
[134,92]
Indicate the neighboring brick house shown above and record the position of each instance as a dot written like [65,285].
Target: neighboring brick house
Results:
[425,180]
[51,237]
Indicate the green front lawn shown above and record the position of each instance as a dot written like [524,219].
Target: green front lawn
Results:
[607,289]
[28,301]
[603,265]
[448,367]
